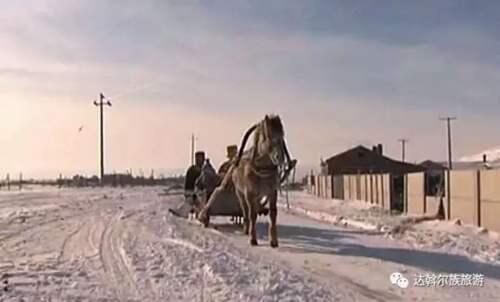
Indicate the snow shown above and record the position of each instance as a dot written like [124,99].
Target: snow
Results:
[353,213]
[475,243]
[121,244]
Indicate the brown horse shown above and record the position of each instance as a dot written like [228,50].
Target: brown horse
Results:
[255,175]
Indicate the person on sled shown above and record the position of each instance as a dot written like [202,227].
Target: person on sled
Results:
[192,175]
[231,152]
[194,172]
[208,179]
[186,207]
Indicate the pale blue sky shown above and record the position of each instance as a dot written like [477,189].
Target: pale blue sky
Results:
[340,73]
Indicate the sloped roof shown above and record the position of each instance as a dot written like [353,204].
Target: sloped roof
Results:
[363,159]
[432,165]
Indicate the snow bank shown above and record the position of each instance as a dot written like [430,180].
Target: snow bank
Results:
[466,240]
[352,213]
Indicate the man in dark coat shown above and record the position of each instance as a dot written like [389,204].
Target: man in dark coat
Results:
[192,174]
[208,180]
[194,171]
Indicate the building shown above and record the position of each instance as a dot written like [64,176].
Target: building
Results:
[434,177]
[361,160]
[433,167]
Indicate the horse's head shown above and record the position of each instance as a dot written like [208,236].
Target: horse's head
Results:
[272,141]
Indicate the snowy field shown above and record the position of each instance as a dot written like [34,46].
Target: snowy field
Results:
[122,245]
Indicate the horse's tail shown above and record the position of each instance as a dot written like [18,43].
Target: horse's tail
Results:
[243,143]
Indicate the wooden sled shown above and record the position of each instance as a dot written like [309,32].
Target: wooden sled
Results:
[226,204]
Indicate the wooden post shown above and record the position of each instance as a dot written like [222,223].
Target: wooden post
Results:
[405,193]
[382,186]
[8,182]
[425,192]
[20,181]
[478,197]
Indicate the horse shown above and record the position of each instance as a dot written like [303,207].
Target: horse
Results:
[255,175]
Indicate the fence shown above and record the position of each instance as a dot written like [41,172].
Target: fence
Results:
[414,193]
[489,196]
[474,195]
[9,183]
[373,188]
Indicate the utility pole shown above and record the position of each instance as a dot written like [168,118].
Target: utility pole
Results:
[403,148]
[448,120]
[101,105]
[193,139]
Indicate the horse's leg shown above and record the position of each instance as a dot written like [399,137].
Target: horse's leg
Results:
[244,210]
[205,217]
[253,223]
[273,214]
[251,201]
[203,214]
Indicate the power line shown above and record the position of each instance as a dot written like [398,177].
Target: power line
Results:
[101,105]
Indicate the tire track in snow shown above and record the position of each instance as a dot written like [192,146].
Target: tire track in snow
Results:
[80,243]
[114,260]
[183,243]
[66,242]
[46,223]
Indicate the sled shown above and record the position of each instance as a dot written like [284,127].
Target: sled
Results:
[226,205]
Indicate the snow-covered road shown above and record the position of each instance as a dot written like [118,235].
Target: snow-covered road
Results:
[122,245]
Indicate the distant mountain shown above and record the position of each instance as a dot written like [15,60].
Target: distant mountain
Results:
[492,155]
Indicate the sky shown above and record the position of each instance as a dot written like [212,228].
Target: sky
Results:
[339,73]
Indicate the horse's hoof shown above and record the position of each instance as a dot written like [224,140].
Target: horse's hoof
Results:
[206,223]
[274,244]
[203,220]
[253,242]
